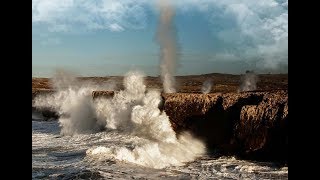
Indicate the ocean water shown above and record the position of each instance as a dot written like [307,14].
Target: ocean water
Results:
[125,136]
[55,156]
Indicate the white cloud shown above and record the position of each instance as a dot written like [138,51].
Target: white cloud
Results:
[115,27]
[248,29]
[82,15]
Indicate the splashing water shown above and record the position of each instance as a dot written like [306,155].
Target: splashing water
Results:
[133,111]
[64,157]
[73,103]
[248,82]
[206,87]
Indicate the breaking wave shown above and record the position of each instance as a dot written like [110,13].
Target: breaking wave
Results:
[133,111]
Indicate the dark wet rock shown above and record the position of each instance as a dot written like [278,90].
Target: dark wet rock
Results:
[47,113]
[102,94]
[84,174]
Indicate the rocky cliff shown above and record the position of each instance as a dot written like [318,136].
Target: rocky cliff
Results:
[250,124]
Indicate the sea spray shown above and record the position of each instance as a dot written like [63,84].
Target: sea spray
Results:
[206,86]
[248,82]
[73,102]
[132,112]
[166,38]
[135,111]
[116,112]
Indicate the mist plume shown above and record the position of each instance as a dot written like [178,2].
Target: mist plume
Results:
[248,82]
[166,38]
[206,86]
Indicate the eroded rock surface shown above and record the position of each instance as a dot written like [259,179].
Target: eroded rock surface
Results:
[249,124]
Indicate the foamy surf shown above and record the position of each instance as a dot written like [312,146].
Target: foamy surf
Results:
[65,157]
[132,111]
[153,154]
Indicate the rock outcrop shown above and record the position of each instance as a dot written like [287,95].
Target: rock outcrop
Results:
[250,124]
[262,131]
[105,94]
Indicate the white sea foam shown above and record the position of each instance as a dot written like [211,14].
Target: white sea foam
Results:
[133,111]
[54,155]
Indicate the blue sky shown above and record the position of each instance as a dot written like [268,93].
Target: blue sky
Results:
[109,37]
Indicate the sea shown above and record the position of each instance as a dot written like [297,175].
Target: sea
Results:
[65,157]
[125,136]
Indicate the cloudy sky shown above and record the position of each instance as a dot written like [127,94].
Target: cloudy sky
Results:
[110,37]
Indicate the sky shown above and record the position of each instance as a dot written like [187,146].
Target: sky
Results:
[111,37]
